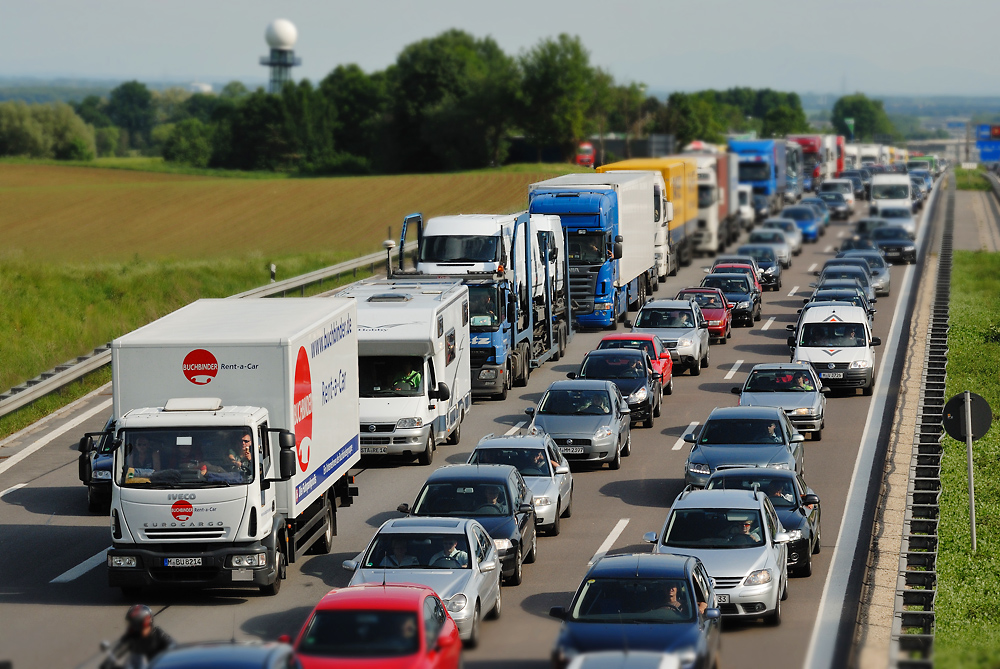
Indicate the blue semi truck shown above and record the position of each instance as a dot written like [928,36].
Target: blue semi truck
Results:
[762,166]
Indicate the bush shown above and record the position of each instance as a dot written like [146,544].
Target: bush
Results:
[107,141]
[338,163]
[190,143]
[44,131]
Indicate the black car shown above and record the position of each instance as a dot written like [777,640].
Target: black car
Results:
[837,204]
[632,371]
[231,655]
[94,465]
[738,289]
[858,243]
[796,504]
[864,174]
[894,243]
[767,260]
[494,495]
[761,208]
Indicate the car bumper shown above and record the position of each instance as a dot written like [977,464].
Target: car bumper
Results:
[908,256]
[807,423]
[398,442]
[697,480]
[744,314]
[584,449]
[770,279]
[683,355]
[799,552]
[598,318]
[717,331]
[464,620]
[213,572]
[545,514]
[810,234]
[749,601]
[852,378]
[640,410]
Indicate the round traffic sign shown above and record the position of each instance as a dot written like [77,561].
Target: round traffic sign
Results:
[954,416]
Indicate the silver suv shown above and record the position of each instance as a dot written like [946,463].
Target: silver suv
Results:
[681,327]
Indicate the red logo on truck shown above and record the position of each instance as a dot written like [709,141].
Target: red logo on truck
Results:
[182,510]
[302,409]
[200,367]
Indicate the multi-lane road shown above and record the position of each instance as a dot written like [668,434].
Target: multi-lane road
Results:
[56,605]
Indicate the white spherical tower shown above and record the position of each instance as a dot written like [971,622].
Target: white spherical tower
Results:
[281,36]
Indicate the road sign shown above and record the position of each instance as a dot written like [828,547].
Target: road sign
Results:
[954,417]
[984,131]
[849,122]
[970,166]
[989,150]
[955,124]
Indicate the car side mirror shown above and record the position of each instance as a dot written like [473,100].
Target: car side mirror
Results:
[562,469]
[487,565]
[873,311]
[797,439]
[530,411]
[706,270]
[629,323]
[876,341]
[805,300]
[665,355]
[689,438]
[657,376]
[443,393]
[810,499]
[816,273]
[525,508]
[649,537]
[350,565]
[790,328]
[702,325]
[625,410]
[558,612]
[736,390]
[285,638]
[403,508]
[826,390]
[782,538]
[729,306]
[712,614]
[571,375]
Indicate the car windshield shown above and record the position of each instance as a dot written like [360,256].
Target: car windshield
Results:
[755,171]
[639,344]
[824,296]
[780,225]
[764,255]
[390,376]
[703,300]
[842,273]
[393,550]
[614,366]
[656,317]
[816,202]
[460,249]
[798,214]
[836,187]
[780,490]
[869,224]
[779,381]
[895,213]
[836,198]
[633,600]
[767,237]
[714,529]
[463,499]
[833,335]
[187,458]
[588,249]
[528,461]
[874,261]
[749,431]
[575,403]
[890,233]
[367,633]
[729,286]
[484,309]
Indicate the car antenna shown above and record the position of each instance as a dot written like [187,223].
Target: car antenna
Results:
[756,488]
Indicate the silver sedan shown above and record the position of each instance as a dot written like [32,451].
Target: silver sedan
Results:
[455,557]
[791,386]
[545,471]
[776,240]
[791,229]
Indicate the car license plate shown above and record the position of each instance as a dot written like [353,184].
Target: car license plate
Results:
[182,562]
[571,449]
[374,450]
[892,253]
[831,375]
[723,599]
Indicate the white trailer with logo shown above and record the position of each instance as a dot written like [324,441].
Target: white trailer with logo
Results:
[236,422]
[413,364]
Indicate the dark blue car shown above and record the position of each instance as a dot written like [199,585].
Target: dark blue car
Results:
[228,655]
[644,602]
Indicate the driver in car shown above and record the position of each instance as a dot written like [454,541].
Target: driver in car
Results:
[449,556]
[491,501]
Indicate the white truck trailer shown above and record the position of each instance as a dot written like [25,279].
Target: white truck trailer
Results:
[236,422]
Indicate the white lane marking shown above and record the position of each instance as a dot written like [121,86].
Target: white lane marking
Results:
[610,541]
[828,249]
[792,292]
[812,268]
[13,488]
[58,432]
[768,324]
[82,568]
[841,234]
[679,444]
[732,372]
[514,430]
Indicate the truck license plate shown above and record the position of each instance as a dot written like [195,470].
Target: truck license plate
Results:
[571,449]
[723,599]
[182,562]
[831,375]
[374,450]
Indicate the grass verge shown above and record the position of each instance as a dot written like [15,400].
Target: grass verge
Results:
[968,584]
[42,407]
[971,179]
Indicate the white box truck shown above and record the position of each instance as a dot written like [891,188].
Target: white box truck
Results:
[413,364]
[236,422]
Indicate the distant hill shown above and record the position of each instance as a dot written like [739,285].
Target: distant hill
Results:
[928,105]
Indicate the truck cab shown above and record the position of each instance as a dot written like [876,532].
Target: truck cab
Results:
[762,167]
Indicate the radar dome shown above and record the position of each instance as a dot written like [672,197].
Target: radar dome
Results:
[281,34]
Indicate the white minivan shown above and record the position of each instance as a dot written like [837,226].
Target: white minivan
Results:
[843,186]
[891,191]
[837,341]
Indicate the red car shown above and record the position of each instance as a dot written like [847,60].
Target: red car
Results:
[726,268]
[659,355]
[717,310]
[388,626]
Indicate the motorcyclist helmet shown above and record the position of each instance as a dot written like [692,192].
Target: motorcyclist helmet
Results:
[138,618]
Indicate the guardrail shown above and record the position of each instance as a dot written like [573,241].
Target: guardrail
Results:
[72,370]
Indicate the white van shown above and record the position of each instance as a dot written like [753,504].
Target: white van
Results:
[837,341]
[891,191]
[843,186]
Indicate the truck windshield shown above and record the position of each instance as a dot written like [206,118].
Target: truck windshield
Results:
[890,192]
[812,160]
[833,335]
[588,249]
[755,171]
[390,376]
[744,198]
[460,248]
[484,311]
[706,196]
[188,457]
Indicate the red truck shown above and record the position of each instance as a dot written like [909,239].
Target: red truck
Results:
[817,163]
[585,155]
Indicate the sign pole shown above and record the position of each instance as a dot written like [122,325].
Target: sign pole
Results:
[968,449]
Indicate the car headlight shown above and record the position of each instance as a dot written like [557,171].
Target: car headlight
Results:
[759,577]
[687,341]
[687,657]
[715,322]
[743,305]
[769,270]
[639,395]
[779,465]
[794,535]
[487,374]
[699,468]
[457,603]
[803,411]
[101,475]
[404,423]
[542,501]
[861,364]
[502,544]
[603,433]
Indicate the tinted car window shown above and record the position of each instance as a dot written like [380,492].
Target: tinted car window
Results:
[365,633]
[653,317]
[633,600]
[459,498]
[714,529]
[741,431]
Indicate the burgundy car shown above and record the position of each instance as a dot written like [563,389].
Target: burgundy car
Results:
[717,310]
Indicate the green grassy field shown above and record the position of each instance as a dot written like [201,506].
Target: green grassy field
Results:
[971,179]
[967,631]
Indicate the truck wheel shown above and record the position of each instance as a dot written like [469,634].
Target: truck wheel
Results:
[456,435]
[325,544]
[525,364]
[505,386]
[427,457]
[275,588]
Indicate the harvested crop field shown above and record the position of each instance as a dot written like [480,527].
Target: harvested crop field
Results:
[55,213]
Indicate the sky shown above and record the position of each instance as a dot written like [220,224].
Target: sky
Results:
[888,47]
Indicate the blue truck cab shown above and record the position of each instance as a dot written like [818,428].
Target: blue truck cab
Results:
[762,167]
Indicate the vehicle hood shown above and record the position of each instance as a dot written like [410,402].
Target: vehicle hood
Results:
[791,519]
[316,662]
[722,562]
[390,409]
[584,426]
[753,454]
[589,637]
[786,401]
[541,486]
[736,298]
[669,333]
[498,527]
[445,582]
[628,386]
[714,314]
[821,356]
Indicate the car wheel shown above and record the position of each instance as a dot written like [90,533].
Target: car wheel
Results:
[656,409]
[722,340]
[515,578]
[819,537]
[627,448]
[757,315]
[94,502]
[497,609]
[533,553]
[473,639]
[616,461]
[695,368]
[554,527]
[729,331]
[427,456]
[569,505]
[773,619]
[707,359]
[817,435]
[784,591]
[806,569]
[869,390]
[669,390]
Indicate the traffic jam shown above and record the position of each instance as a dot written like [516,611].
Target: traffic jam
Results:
[237,455]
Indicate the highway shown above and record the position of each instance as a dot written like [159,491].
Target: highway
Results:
[57,605]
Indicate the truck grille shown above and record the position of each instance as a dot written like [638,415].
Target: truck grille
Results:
[478,357]
[727,582]
[379,427]
[582,285]
[185,533]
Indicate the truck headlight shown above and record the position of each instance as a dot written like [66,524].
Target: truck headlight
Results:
[684,342]
[639,395]
[803,411]
[121,561]
[487,374]
[457,603]
[502,544]
[699,468]
[759,577]
[861,364]
[602,433]
[101,475]
[542,501]
[404,423]
[253,560]
[602,306]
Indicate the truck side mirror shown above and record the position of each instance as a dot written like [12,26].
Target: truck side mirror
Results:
[286,440]
[287,462]
[791,342]
[618,251]
[86,444]
[84,466]
[442,393]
